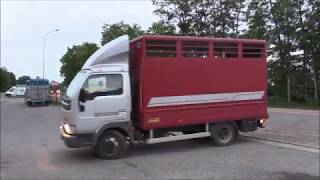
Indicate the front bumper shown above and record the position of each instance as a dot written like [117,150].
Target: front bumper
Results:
[75,141]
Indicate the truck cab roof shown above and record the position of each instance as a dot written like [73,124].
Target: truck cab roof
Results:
[112,54]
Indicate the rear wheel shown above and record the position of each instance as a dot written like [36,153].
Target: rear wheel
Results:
[111,145]
[223,134]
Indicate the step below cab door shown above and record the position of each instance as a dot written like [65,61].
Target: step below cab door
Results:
[107,101]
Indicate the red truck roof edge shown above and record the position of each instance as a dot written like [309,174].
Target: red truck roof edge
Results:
[197,38]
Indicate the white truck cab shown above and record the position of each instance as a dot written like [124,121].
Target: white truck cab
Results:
[99,96]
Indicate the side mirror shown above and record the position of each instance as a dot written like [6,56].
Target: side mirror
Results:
[82,95]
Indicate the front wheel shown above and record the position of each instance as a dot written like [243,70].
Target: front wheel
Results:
[223,134]
[111,145]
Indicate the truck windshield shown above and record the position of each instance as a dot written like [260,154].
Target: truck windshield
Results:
[76,84]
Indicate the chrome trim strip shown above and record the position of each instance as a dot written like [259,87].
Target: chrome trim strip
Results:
[204,98]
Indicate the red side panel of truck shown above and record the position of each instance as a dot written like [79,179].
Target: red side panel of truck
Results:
[180,81]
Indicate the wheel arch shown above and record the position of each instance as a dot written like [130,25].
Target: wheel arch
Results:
[122,127]
[233,123]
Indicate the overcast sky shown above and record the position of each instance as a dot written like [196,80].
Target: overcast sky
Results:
[25,23]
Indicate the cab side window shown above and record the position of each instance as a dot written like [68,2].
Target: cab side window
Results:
[103,85]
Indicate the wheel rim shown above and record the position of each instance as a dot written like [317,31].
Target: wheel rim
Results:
[110,146]
[225,134]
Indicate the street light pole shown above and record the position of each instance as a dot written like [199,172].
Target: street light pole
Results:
[44,50]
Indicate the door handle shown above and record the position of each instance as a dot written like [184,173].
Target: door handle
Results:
[81,106]
[122,113]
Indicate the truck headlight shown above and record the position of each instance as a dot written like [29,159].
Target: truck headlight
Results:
[69,129]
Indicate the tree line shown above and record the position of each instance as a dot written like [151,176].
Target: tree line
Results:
[291,28]
[8,79]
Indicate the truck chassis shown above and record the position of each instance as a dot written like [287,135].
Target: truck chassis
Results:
[113,143]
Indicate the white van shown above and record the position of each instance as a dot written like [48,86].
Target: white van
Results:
[18,90]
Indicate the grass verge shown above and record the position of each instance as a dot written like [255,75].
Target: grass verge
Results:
[279,102]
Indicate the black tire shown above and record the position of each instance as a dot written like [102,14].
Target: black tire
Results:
[111,145]
[223,134]
[47,103]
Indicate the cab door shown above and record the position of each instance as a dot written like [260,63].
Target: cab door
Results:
[107,100]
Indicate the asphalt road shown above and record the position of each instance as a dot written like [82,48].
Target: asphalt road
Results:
[31,149]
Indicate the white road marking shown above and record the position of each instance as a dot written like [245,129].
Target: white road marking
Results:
[289,132]
[286,144]
[295,111]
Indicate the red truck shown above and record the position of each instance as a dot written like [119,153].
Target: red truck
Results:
[157,89]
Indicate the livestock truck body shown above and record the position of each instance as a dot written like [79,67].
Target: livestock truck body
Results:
[37,92]
[157,89]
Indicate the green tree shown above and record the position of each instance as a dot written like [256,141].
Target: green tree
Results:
[221,18]
[12,79]
[201,24]
[284,17]
[7,79]
[238,16]
[257,16]
[4,84]
[23,79]
[176,12]
[313,43]
[225,17]
[305,71]
[112,31]
[73,60]
[161,28]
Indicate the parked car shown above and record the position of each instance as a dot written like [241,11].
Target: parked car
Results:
[18,90]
